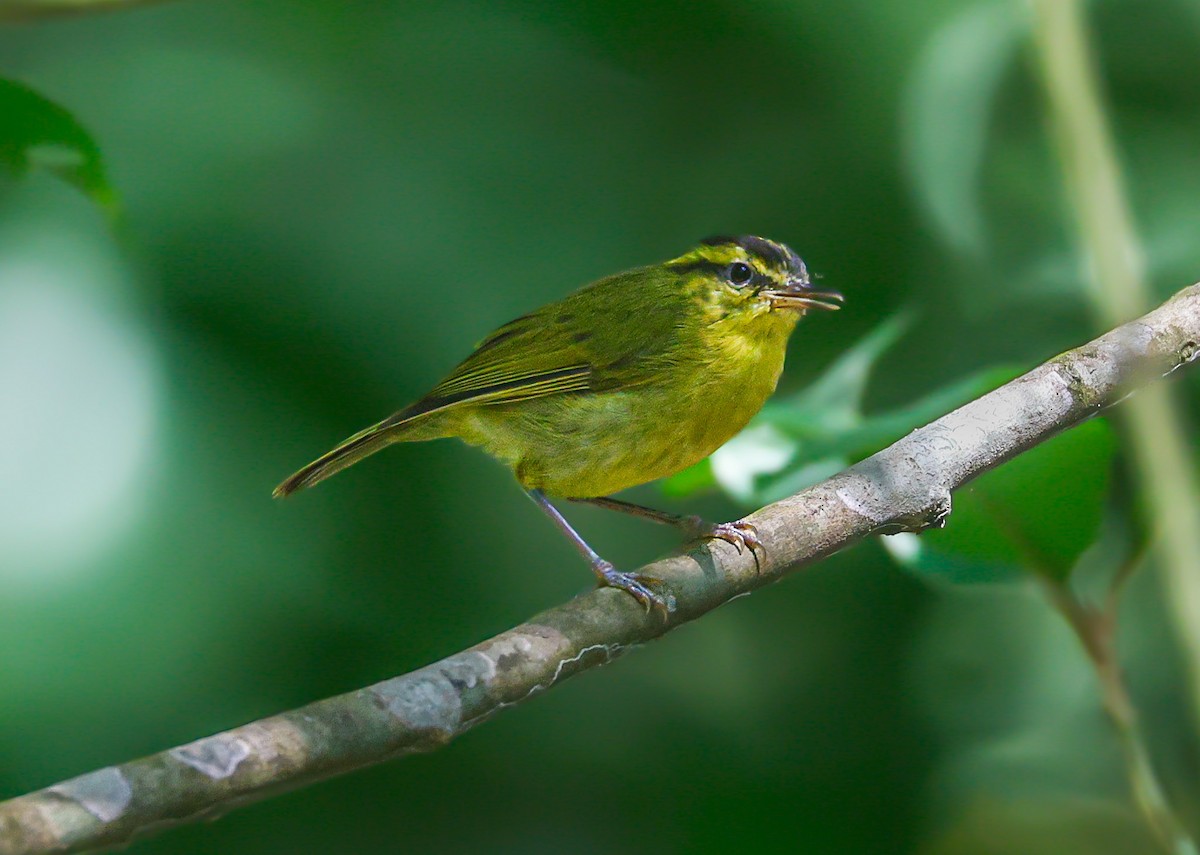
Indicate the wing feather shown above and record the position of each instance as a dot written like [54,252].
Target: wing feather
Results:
[604,335]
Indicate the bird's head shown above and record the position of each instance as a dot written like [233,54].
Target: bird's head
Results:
[752,274]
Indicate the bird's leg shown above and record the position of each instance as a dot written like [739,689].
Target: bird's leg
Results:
[636,585]
[740,534]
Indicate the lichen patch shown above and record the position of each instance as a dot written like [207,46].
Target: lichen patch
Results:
[218,756]
[105,793]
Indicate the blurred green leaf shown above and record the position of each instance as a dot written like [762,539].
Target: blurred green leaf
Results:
[697,478]
[947,113]
[917,554]
[820,430]
[38,134]
[1052,825]
[761,450]
[834,400]
[878,431]
[1038,512]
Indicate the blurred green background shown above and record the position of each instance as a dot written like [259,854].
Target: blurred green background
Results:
[326,204]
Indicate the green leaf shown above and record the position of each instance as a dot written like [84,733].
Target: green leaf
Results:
[947,111]
[834,400]
[37,134]
[697,478]
[878,431]
[811,435]
[916,554]
[1037,513]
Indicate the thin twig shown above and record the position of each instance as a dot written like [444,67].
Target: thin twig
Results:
[905,487]
[1113,255]
[1096,631]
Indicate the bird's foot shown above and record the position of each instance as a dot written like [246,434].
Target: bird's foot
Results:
[638,586]
[742,535]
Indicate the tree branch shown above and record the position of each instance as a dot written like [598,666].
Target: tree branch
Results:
[905,487]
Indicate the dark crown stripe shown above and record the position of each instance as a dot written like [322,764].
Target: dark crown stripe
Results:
[699,265]
[768,251]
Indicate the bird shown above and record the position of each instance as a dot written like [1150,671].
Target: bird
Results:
[631,378]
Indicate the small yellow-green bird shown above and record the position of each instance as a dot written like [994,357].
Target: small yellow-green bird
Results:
[629,379]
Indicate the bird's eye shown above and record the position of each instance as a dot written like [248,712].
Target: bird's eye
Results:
[740,273]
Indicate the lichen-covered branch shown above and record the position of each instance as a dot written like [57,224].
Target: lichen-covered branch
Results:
[905,487]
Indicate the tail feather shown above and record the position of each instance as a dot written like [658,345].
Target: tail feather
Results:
[362,444]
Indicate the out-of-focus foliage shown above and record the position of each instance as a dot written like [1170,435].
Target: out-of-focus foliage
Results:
[1037,513]
[949,113]
[1048,828]
[797,440]
[35,133]
[1042,511]
[326,204]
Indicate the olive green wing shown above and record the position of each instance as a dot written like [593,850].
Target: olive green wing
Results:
[616,332]
[526,358]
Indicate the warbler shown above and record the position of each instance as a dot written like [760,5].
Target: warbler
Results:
[629,379]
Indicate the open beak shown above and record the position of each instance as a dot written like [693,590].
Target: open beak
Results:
[799,295]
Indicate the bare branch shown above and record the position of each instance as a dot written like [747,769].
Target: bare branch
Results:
[905,487]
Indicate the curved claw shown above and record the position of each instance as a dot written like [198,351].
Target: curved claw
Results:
[637,586]
[741,534]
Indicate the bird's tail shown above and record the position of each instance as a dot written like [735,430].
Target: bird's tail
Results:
[406,425]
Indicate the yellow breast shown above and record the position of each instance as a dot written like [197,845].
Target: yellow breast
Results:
[595,444]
